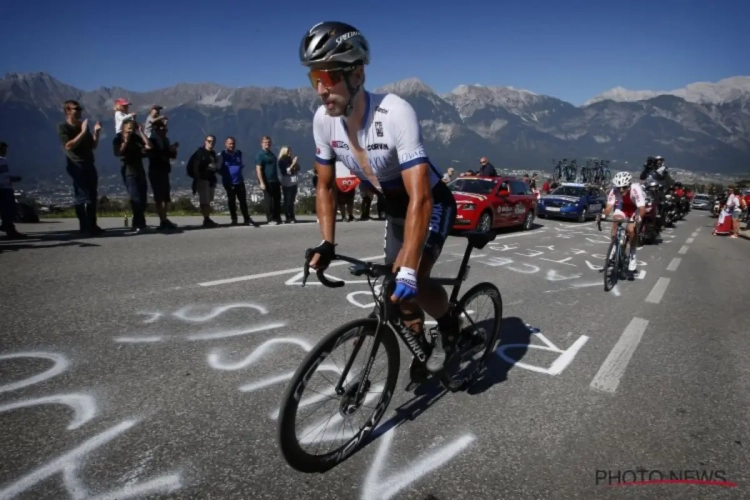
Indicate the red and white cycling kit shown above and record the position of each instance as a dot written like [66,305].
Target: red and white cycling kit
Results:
[627,205]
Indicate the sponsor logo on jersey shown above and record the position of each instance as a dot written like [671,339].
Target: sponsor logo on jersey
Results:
[378,109]
[339,145]
[372,147]
[379,129]
[317,151]
[419,153]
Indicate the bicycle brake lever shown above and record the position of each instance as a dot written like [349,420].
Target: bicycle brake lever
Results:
[306,268]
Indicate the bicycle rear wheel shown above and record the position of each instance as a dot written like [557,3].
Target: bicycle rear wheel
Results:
[611,266]
[477,337]
[351,426]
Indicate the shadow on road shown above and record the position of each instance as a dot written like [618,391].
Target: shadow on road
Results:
[513,332]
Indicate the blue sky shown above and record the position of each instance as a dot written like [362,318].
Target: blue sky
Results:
[572,49]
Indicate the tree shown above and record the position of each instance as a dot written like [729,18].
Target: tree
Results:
[306,205]
[184,204]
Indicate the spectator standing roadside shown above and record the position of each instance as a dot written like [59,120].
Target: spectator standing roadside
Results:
[267,170]
[154,117]
[448,175]
[486,168]
[202,167]
[7,198]
[131,145]
[122,114]
[231,165]
[288,168]
[159,168]
[79,145]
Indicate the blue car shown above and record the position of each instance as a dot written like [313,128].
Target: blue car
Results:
[573,201]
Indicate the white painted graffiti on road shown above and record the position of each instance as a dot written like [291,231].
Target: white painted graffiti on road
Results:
[70,464]
[565,356]
[198,315]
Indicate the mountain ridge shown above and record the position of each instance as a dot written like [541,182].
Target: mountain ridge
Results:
[514,127]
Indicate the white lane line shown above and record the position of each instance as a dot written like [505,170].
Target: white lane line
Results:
[695,233]
[697,230]
[276,273]
[608,377]
[689,240]
[683,250]
[673,265]
[657,292]
[515,235]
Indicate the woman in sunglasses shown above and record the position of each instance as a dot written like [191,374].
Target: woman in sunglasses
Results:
[377,137]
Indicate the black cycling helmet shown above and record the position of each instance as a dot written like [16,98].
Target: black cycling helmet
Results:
[334,42]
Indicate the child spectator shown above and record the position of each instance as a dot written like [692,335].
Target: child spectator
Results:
[122,114]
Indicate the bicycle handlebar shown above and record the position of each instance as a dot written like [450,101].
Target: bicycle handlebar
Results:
[359,268]
[614,221]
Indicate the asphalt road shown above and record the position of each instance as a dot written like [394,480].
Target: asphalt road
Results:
[153,365]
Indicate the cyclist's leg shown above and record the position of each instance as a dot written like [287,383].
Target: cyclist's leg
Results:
[411,314]
[432,297]
[633,239]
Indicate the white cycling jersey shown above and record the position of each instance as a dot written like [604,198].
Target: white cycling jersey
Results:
[629,204]
[390,138]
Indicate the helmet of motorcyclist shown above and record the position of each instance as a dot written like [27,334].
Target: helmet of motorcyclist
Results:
[622,179]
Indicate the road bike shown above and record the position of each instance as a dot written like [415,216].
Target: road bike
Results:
[359,393]
[614,263]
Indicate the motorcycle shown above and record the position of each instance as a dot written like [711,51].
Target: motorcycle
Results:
[649,226]
[682,207]
[716,210]
[669,210]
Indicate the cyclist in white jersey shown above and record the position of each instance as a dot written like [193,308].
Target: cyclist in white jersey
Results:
[628,200]
[378,138]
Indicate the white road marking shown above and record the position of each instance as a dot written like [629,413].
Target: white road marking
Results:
[276,273]
[673,265]
[683,250]
[697,230]
[608,377]
[657,292]
[689,240]
[515,235]
[695,233]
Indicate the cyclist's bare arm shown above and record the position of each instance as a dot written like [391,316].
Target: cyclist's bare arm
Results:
[325,201]
[417,184]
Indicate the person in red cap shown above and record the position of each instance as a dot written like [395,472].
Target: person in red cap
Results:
[122,114]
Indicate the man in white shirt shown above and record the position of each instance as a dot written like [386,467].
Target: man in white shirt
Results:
[7,199]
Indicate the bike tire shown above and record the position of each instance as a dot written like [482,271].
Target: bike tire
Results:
[290,447]
[613,264]
[490,290]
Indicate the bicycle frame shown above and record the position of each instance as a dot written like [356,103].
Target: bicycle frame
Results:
[387,309]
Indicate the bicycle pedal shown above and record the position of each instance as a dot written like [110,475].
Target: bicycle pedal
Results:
[418,374]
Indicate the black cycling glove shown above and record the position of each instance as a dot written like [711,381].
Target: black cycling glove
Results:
[326,252]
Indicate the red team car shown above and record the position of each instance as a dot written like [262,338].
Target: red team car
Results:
[486,203]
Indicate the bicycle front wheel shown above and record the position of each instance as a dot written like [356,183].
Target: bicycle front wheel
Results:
[320,443]
[611,266]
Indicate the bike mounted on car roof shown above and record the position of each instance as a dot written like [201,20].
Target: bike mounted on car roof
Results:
[383,329]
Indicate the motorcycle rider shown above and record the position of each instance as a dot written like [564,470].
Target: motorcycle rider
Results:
[655,171]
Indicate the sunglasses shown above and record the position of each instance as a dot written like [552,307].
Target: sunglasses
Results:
[75,108]
[328,77]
